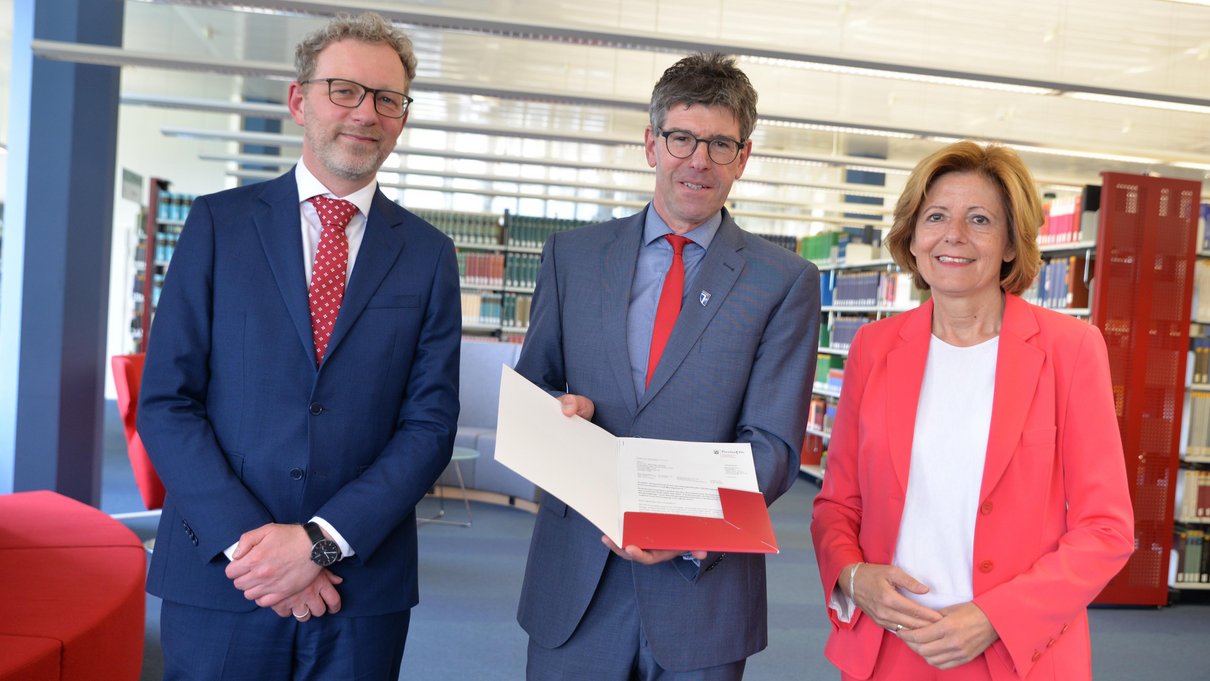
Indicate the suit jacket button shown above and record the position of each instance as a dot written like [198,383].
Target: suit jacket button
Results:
[316,409]
[986,566]
[1036,656]
[986,508]
[296,474]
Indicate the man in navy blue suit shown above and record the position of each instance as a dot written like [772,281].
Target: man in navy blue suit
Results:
[300,392]
[672,323]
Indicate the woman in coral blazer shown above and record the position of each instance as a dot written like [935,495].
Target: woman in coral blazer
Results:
[975,499]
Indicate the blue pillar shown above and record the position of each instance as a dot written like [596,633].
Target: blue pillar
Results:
[55,272]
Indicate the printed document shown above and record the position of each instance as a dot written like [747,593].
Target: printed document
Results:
[603,476]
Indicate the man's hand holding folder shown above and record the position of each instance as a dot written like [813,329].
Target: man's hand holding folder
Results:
[656,498]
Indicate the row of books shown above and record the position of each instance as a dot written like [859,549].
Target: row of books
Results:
[481,269]
[1204,219]
[824,364]
[1200,360]
[531,232]
[851,245]
[893,290]
[840,333]
[173,206]
[1192,557]
[1072,218]
[139,290]
[1201,290]
[166,239]
[499,269]
[787,242]
[505,310]
[1060,284]
[1198,444]
[1192,495]
[466,228]
[820,414]
[521,269]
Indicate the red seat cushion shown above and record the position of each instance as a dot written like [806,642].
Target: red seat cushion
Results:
[81,577]
[29,658]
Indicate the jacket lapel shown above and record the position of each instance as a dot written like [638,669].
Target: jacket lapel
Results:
[279,225]
[621,258]
[380,248]
[719,270]
[905,375]
[1018,368]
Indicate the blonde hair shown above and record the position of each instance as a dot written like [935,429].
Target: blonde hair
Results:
[368,28]
[1022,206]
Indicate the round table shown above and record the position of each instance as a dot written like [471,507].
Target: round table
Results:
[458,455]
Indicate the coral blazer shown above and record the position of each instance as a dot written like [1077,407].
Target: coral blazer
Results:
[1055,521]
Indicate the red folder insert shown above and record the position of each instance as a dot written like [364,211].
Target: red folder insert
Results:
[744,528]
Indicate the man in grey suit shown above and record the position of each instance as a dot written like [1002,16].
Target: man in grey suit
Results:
[672,323]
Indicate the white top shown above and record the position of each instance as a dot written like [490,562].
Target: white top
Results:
[937,533]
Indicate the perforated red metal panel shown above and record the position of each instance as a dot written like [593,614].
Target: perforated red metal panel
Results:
[1141,302]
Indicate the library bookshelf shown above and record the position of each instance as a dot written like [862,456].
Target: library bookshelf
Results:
[160,228]
[1190,561]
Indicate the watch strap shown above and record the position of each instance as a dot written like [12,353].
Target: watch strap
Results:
[314,532]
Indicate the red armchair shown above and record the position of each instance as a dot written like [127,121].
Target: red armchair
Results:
[127,373]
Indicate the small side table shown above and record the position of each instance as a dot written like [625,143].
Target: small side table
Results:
[459,454]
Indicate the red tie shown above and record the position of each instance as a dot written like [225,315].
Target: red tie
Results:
[670,303]
[328,274]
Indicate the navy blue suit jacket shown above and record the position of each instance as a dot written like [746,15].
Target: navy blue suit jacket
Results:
[245,430]
[737,368]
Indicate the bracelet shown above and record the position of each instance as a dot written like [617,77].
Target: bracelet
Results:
[851,576]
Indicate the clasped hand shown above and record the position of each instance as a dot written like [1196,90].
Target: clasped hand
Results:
[272,566]
[945,638]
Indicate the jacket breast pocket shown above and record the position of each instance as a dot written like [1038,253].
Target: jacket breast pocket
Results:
[393,301]
[1038,437]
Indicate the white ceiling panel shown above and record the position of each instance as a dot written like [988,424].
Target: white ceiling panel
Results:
[562,69]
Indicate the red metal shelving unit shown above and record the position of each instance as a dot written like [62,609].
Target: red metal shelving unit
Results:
[1146,246]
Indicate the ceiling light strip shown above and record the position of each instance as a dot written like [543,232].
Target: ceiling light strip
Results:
[807,220]
[412,150]
[295,142]
[586,35]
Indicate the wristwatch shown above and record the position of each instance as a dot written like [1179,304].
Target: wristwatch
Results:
[324,551]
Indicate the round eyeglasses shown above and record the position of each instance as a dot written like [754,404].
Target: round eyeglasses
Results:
[349,94]
[682,144]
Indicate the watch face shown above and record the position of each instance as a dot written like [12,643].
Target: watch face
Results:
[325,552]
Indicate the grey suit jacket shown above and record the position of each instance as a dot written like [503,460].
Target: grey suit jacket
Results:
[737,368]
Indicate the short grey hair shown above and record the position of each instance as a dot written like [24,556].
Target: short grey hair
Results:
[368,28]
[710,80]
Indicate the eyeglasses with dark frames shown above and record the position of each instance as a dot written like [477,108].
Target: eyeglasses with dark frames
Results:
[683,144]
[349,94]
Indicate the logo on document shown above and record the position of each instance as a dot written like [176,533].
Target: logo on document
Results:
[703,298]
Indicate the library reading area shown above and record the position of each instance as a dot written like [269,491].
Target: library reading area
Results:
[142,465]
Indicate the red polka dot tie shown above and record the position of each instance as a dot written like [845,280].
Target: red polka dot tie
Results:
[669,307]
[328,273]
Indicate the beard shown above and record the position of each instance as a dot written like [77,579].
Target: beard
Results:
[343,161]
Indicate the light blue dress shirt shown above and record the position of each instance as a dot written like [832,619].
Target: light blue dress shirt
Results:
[655,256]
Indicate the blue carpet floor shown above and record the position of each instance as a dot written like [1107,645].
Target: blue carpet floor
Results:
[464,627]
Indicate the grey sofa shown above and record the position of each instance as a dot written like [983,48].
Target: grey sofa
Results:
[479,390]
